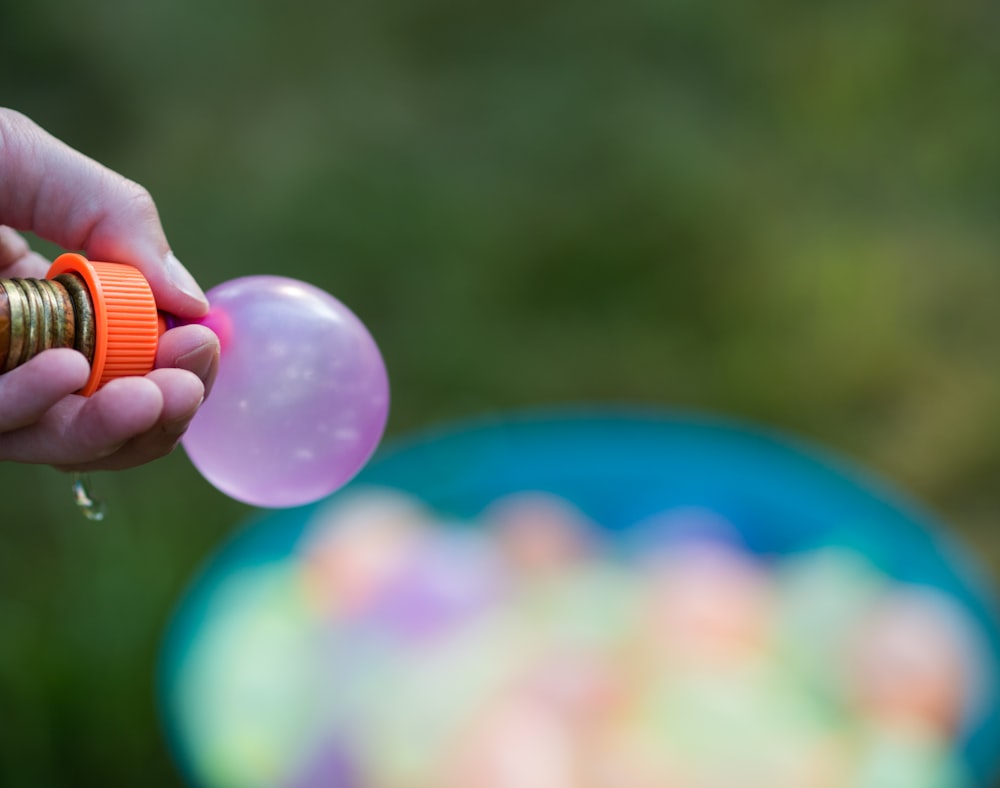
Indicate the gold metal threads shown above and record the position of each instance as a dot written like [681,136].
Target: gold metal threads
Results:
[85,334]
[31,320]
[36,318]
[18,326]
[35,321]
[46,314]
[56,305]
[51,331]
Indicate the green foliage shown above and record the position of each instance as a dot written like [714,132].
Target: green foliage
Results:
[782,211]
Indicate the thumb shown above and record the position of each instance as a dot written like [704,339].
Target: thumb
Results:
[65,197]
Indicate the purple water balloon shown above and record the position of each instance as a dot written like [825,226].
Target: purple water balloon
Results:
[301,398]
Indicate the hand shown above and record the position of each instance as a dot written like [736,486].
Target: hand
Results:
[61,195]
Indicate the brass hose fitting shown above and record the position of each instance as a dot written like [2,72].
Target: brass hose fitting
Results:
[106,311]
[39,314]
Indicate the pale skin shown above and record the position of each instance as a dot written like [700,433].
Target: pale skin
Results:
[60,195]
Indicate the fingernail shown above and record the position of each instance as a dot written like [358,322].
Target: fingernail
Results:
[202,361]
[179,426]
[181,278]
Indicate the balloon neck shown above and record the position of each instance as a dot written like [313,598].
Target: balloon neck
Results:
[216,321]
[164,322]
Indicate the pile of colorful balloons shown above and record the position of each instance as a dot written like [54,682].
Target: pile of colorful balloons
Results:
[528,649]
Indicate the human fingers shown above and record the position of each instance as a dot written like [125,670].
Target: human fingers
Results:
[186,360]
[28,391]
[78,432]
[71,200]
[182,392]
[194,348]
[16,257]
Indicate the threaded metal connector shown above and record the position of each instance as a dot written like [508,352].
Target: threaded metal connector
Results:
[39,314]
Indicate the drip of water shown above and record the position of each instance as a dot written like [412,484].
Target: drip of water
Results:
[91,507]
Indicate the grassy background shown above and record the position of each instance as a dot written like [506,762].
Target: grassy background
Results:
[785,212]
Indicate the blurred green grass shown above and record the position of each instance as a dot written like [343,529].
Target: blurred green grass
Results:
[784,212]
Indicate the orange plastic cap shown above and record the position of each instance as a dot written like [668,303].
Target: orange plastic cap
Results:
[126,326]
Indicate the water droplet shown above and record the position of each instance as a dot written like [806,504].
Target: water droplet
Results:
[92,508]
